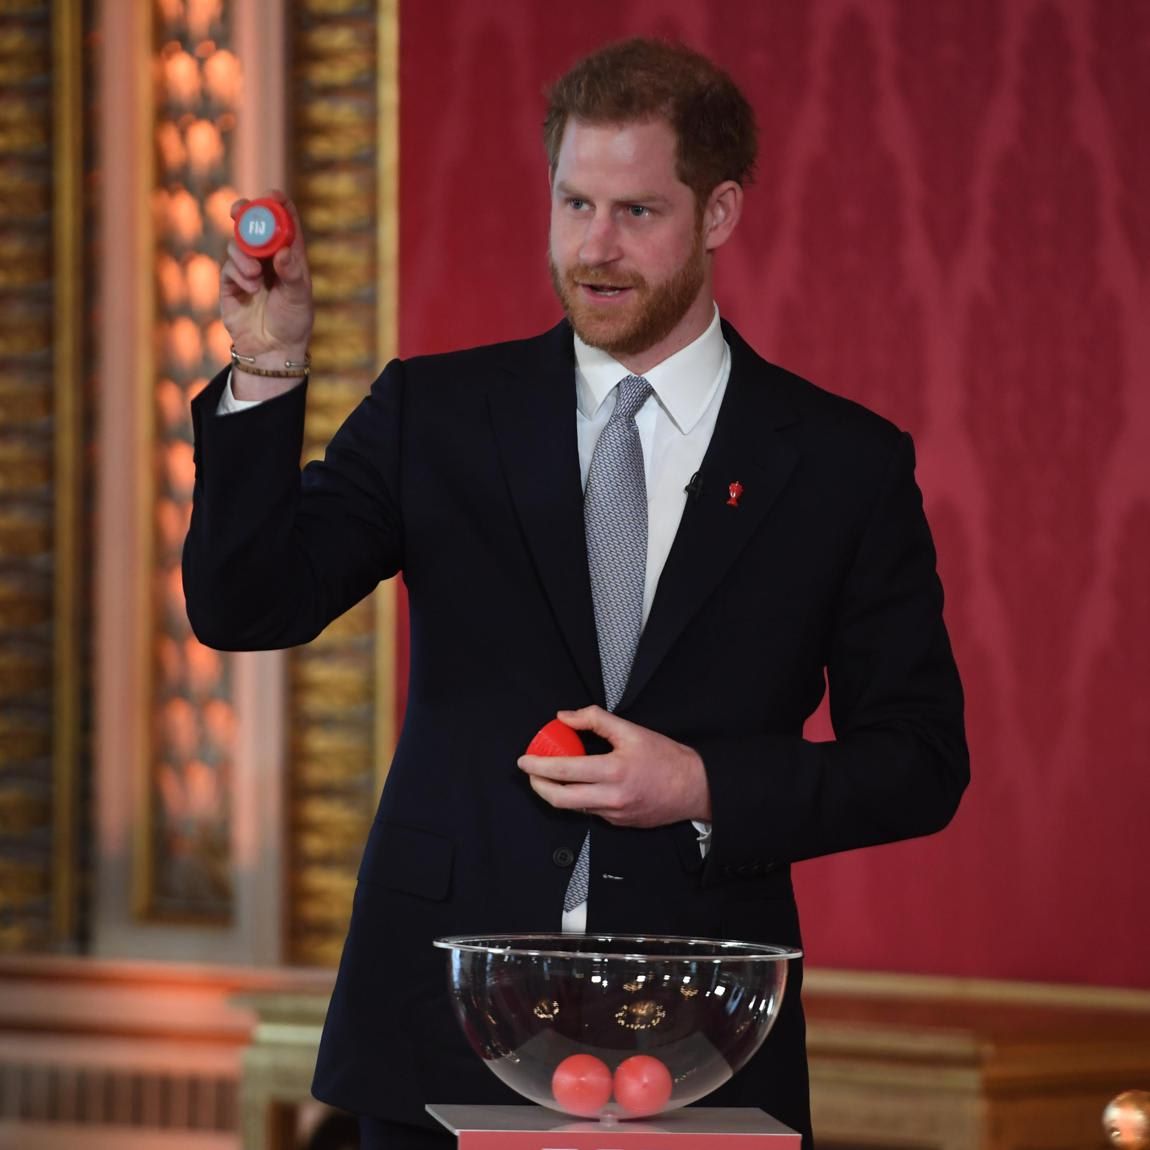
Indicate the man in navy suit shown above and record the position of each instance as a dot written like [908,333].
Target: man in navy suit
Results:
[785,538]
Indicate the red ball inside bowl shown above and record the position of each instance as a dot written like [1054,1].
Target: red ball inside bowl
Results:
[582,1085]
[643,1085]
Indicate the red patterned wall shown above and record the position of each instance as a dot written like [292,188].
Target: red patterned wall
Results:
[952,225]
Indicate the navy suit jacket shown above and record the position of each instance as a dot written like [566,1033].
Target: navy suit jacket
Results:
[462,471]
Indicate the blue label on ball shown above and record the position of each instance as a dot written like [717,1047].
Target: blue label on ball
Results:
[257,226]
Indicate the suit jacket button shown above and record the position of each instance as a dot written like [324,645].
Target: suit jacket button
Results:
[564,856]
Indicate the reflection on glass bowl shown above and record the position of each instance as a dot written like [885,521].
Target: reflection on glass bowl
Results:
[614,1026]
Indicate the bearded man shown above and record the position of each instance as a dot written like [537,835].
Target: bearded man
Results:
[631,521]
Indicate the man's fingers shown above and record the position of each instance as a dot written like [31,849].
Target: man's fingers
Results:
[567,796]
[560,768]
[597,720]
[249,274]
[585,783]
[552,792]
[233,282]
[291,209]
[288,266]
[247,266]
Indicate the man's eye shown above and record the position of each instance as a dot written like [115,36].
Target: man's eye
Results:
[638,211]
[577,204]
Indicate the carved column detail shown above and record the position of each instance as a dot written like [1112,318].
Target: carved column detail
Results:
[342,684]
[41,460]
[185,857]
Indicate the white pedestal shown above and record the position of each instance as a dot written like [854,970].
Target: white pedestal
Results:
[693,1128]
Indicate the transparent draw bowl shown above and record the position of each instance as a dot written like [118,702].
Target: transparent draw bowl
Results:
[614,1026]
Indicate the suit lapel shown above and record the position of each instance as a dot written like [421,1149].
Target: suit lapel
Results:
[533,413]
[750,446]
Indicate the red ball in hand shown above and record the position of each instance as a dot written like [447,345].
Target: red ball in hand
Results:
[581,1085]
[556,738]
[642,1085]
[263,227]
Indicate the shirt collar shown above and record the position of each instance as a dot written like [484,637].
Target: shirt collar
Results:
[683,383]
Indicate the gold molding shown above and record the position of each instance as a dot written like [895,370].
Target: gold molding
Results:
[144,464]
[179,747]
[349,209]
[876,984]
[387,346]
[41,462]
[68,283]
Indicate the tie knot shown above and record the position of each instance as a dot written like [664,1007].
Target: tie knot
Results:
[633,392]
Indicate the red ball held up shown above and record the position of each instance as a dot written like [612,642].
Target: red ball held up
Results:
[263,227]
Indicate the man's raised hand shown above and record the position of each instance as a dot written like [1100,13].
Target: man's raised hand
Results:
[267,307]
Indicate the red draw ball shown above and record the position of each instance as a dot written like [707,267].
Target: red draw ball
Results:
[263,227]
[643,1085]
[556,738]
[581,1085]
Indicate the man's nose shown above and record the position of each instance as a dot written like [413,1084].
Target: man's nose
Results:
[600,241]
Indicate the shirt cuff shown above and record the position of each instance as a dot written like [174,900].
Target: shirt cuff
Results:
[228,404]
[704,839]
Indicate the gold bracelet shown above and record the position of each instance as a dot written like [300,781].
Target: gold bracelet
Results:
[292,369]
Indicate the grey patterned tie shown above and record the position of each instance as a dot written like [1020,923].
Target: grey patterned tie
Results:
[615,523]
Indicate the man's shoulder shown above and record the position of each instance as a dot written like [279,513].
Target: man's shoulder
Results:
[818,407]
[552,347]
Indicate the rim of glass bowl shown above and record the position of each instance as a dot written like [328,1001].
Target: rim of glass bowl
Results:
[520,945]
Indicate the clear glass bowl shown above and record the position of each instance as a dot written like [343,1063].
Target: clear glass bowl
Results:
[614,1026]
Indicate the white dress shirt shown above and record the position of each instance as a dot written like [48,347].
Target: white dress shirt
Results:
[229,403]
[675,427]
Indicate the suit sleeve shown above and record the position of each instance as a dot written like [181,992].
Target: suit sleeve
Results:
[899,763]
[273,555]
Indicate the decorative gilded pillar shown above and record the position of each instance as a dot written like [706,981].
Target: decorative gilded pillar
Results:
[184,856]
[189,741]
[42,451]
[342,685]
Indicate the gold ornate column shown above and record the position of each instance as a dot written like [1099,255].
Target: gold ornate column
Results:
[184,858]
[42,451]
[342,686]
[188,743]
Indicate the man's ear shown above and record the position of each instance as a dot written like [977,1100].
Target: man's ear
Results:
[721,215]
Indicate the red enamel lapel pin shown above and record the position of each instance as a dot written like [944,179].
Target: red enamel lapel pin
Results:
[734,493]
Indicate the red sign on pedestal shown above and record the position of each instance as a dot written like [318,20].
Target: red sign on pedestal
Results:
[694,1128]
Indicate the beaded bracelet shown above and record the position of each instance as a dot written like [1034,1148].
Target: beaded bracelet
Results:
[292,368]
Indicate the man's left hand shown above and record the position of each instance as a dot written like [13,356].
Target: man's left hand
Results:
[645,780]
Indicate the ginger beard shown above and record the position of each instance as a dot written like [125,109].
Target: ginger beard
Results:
[628,327]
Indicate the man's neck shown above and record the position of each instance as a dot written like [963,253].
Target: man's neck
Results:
[689,328]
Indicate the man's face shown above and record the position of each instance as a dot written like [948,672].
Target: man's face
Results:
[627,254]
